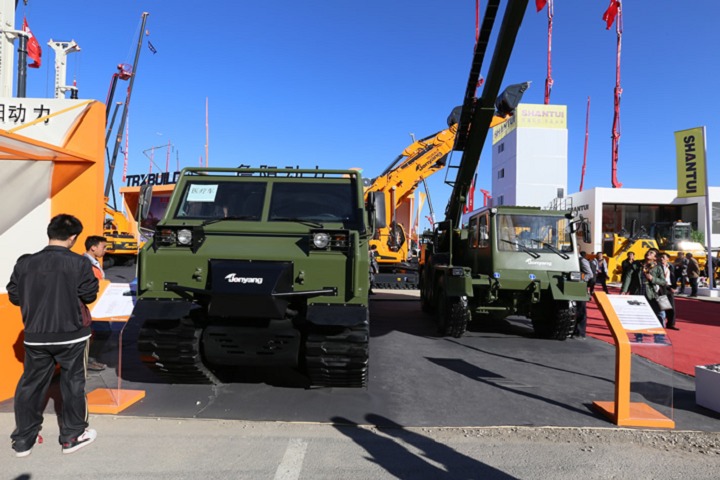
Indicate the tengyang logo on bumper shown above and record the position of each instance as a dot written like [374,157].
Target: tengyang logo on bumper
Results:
[532,261]
[233,278]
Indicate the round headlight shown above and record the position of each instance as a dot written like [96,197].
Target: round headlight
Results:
[321,240]
[184,236]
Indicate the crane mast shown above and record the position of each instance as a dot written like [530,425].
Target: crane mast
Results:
[483,109]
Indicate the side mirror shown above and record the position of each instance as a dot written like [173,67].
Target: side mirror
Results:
[585,232]
[144,201]
[375,205]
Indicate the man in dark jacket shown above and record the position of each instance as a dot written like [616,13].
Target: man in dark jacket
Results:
[627,266]
[581,307]
[647,278]
[49,287]
[693,271]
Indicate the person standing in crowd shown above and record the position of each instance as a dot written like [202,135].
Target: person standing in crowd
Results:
[716,270]
[590,278]
[626,265]
[94,251]
[681,264]
[601,271]
[712,266]
[642,280]
[50,287]
[693,273]
[581,307]
[669,273]
[374,267]
[95,246]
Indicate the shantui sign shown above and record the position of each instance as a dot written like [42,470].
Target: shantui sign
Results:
[690,148]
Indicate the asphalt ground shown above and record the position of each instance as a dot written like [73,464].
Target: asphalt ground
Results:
[495,375]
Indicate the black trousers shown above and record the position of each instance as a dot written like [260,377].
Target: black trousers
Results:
[31,392]
[670,314]
[580,319]
[602,280]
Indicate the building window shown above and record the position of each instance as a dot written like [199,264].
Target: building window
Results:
[560,192]
[501,173]
[501,200]
[501,147]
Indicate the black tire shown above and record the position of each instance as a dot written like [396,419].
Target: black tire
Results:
[554,319]
[425,303]
[338,356]
[173,350]
[452,315]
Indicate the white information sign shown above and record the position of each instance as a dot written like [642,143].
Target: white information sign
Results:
[202,193]
[114,302]
[634,312]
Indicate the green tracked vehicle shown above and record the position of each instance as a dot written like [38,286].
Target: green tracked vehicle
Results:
[258,267]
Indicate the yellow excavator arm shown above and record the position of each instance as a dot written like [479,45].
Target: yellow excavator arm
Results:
[399,181]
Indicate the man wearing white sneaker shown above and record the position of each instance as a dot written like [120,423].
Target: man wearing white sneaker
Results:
[49,287]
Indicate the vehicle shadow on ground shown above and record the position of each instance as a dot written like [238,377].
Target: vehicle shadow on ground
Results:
[536,364]
[413,321]
[388,448]
[498,381]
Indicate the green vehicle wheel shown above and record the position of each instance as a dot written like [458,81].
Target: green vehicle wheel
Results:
[554,319]
[452,315]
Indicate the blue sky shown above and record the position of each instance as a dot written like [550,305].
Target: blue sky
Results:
[342,84]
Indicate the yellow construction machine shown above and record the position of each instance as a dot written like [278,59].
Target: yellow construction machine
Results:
[122,243]
[422,158]
[669,237]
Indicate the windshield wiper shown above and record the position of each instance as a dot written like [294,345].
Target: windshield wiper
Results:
[564,255]
[522,247]
[232,217]
[304,221]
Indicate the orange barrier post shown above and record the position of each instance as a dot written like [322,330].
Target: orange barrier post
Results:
[622,411]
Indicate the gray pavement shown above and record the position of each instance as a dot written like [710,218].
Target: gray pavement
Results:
[168,448]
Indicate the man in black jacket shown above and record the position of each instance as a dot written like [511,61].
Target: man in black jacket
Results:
[49,287]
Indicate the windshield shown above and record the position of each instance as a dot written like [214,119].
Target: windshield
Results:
[323,202]
[533,233]
[211,200]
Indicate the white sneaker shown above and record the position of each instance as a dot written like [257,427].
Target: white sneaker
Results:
[23,454]
[27,452]
[87,437]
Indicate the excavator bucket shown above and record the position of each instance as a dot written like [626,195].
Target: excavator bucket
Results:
[510,98]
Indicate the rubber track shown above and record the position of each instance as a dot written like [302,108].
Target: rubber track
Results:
[175,353]
[338,359]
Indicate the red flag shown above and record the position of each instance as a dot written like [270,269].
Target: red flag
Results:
[611,13]
[470,206]
[540,4]
[33,47]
